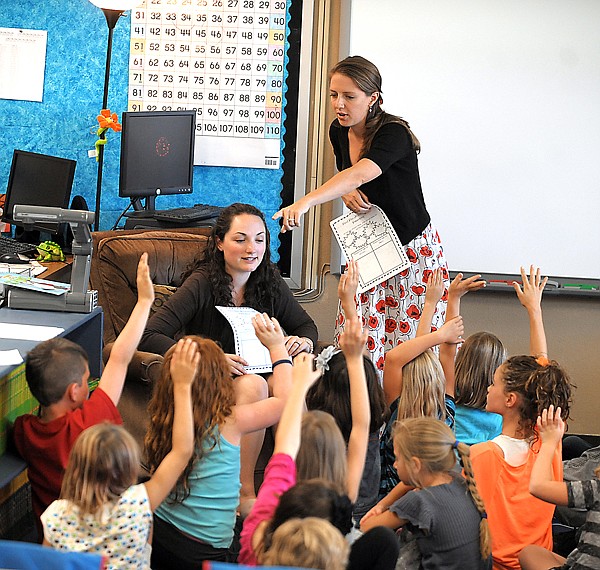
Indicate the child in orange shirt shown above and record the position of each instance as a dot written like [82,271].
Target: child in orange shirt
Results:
[523,386]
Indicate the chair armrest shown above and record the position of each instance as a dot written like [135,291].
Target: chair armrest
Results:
[144,366]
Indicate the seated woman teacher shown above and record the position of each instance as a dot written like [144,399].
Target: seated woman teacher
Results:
[376,155]
[235,271]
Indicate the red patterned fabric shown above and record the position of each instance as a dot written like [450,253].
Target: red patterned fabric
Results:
[391,310]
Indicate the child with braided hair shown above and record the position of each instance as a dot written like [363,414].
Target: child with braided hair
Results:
[449,523]
[522,387]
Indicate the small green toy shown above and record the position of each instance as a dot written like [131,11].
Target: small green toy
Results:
[50,251]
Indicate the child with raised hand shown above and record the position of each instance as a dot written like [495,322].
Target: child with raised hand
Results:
[415,386]
[444,511]
[101,509]
[471,371]
[280,473]
[325,497]
[332,394]
[57,373]
[197,522]
[523,386]
[575,494]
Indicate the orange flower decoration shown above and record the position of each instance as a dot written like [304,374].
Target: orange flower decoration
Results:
[542,361]
[108,120]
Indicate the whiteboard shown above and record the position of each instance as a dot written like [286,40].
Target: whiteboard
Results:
[504,96]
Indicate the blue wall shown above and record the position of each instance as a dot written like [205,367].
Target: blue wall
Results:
[60,125]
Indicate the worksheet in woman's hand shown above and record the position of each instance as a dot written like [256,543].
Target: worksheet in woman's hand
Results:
[247,344]
[370,240]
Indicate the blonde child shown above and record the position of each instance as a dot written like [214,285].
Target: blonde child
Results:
[471,370]
[445,512]
[523,386]
[575,494]
[414,382]
[308,543]
[196,523]
[101,508]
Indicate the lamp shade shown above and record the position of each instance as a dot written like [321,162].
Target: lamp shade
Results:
[120,5]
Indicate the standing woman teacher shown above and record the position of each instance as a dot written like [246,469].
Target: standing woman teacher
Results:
[376,155]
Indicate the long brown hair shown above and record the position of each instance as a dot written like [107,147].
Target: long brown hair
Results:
[367,78]
[474,368]
[433,442]
[213,399]
[103,463]
[322,452]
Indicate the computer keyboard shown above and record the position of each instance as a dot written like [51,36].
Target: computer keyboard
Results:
[183,215]
[10,245]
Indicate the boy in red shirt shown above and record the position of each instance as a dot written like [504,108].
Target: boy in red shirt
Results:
[57,374]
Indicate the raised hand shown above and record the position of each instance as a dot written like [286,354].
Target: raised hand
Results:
[460,286]
[268,330]
[184,362]
[353,339]
[551,426]
[435,287]
[530,295]
[303,371]
[347,288]
[452,331]
[145,289]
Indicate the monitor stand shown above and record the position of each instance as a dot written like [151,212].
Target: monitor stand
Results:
[145,210]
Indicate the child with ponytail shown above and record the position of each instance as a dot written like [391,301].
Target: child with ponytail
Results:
[445,512]
[522,387]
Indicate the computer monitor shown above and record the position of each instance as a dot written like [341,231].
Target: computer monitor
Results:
[157,155]
[38,180]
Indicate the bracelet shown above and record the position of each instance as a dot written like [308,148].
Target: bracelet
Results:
[282,361]
[311,346]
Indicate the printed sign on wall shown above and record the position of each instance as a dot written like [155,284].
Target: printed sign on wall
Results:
[223,58]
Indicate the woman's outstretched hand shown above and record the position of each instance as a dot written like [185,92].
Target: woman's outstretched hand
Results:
[291,215]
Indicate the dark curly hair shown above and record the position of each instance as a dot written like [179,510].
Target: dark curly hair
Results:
[540,384]
[263,284]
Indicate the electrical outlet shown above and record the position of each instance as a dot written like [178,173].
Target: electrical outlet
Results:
[92,153]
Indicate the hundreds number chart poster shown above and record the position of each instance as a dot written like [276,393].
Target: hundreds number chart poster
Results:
[223,58]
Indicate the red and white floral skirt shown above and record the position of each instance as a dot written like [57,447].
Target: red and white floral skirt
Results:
[392,309]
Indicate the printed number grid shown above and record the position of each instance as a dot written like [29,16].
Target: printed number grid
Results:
[222,58]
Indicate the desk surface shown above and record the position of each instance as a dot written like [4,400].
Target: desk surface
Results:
[83,328]
[70,322]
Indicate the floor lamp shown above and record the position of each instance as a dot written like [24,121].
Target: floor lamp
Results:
[112,11]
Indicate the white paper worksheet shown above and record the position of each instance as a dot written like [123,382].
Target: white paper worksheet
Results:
[29,332]
[370,240]
[247,344]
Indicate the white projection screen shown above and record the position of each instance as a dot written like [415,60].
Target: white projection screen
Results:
[504,96]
